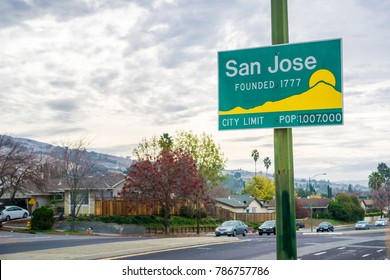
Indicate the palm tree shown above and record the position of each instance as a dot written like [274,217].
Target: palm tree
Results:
[267,164]
[375,180]
[165,141]
[255,155]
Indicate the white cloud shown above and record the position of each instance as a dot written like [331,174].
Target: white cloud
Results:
[121,71]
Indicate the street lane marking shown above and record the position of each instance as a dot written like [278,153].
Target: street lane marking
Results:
[341,248]
[366,255]
[380,250]
[320,253]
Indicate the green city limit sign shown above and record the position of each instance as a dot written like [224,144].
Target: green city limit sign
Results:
[281,86]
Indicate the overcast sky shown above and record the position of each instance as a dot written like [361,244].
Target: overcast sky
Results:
[119,71]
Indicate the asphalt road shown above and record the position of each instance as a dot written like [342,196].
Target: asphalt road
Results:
[351,245]
[343,244]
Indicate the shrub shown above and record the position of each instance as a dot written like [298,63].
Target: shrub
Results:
[42,218]
[186,212]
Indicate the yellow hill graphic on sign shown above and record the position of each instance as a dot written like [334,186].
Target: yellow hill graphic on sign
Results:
[321,95]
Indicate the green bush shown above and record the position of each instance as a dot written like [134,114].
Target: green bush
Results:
[346,208]
[322,215]
[42,218]
[373,210]
[186,212]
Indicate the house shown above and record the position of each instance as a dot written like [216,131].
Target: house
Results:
[367,204]
[316,204]
[104,187]
[241,204]
[57,195]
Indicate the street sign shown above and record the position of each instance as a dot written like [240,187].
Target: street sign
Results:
[281,86]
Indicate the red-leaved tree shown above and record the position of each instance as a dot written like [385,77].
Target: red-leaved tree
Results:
[173,175]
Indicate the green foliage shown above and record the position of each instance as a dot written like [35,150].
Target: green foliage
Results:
[42,218]
[373,210]
[267,164]
[208,155]
[373,214]
[186,212]
[260,187]
[345,207]
[151,220]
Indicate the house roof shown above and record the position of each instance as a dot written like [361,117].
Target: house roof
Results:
[108,181]
[368,202]
[313,202]
[237,201]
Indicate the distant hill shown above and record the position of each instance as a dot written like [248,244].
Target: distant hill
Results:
[109,162]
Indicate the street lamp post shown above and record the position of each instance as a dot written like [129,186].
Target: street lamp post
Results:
[311,206]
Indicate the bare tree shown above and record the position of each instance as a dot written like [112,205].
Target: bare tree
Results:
[75,167]
[20,169]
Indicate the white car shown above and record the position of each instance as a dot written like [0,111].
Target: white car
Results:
[381,222]
[13,212]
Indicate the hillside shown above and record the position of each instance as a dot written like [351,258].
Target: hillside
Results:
[110,162]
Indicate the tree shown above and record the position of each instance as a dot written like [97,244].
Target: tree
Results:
[379,183]
[329,192]
[165,142]
[148,149]
[75,168]
[267,164]
[381,197]
[20,169]
[255,154]
[209,158]
[375,180]
[260,187]
[384,171]
[172,176]
[300,210]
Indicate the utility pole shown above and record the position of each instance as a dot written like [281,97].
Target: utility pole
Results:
[286,239]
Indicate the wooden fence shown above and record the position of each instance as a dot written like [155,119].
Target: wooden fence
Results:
[179,230]
[119,207]
[225,214]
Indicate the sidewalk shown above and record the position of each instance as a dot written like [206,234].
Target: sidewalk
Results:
[117,249]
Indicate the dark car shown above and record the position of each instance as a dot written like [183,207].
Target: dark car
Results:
[232,228]
[299,224]
[267,227]
[325,226]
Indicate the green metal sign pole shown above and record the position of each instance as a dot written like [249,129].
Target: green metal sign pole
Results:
[286,243]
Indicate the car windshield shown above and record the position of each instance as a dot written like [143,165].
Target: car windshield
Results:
[361,222]
[229,223]
[268,223]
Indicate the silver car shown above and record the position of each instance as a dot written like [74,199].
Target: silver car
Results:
[362,225]
[13,212]
[232,228]
[381,222]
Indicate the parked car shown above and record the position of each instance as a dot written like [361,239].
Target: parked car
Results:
[382,222]
[299,224]
[325,226]
[267,227]
[13,212]
[362,225]
[232,228]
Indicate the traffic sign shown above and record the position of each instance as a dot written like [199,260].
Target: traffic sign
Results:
[281,86]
